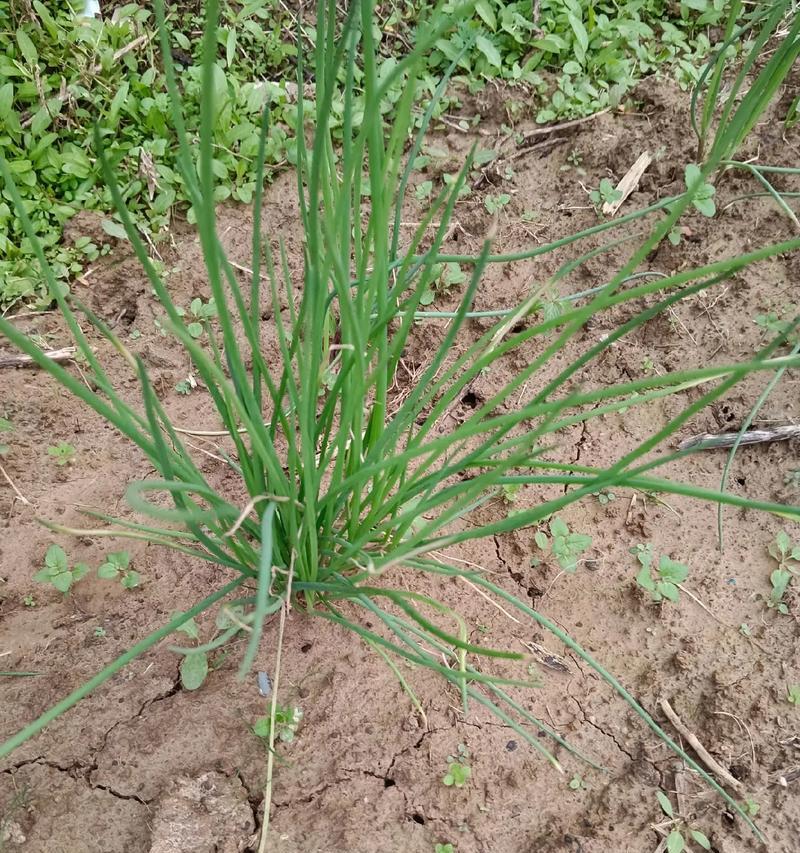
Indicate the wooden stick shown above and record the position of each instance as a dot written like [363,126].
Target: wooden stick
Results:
[629,182]
[63,354]
[554,128]
[718,440]
[10,482]
[702,753]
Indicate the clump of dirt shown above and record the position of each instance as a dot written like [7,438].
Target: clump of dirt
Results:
[143,765]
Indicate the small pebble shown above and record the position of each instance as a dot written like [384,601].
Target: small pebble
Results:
[264,687]
[511,745]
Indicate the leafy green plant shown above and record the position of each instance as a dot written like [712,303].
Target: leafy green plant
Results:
[444,848]
[458,769]
[62,453]
[793,695]
[565,545]
[677,840]
[201,312]
[59,74]
[703,195]
[787,555]
[510,492]
[445,278]
[576,782]
[117,567]
[343,482]
[661,581]
[185,386]
[5,426]
[606,193]
[752,807]
[287,721]
[494,203]
[57,571]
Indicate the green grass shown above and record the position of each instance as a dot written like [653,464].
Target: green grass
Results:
[59,75]
[363,487]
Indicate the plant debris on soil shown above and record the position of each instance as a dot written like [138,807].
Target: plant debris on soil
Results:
[143,765]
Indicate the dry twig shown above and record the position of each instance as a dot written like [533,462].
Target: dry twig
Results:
[702,753]
[723,440]
[63,354]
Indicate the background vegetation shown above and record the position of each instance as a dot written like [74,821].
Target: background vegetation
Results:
[60,73]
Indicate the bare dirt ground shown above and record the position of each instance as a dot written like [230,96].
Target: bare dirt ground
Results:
[143,765]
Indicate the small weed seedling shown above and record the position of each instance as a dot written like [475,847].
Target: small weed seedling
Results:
[787,555]
[99,633]
[5,426]
[752,807]
[703,200]
[792,479]
[443,848]
[29,600]
[287,721]
[458,770]
[667,576]
[62,453]
[604,497]
[565,545]
[606,193]
[445,278]
[202,312]
[786,552]
[774,325]
[186,386]
[576,783]
[793,695]
[423,190]
[117,566]
[57,572]
[194,667]
[680,832]
[494,203]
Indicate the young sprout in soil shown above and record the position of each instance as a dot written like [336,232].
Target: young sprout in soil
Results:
[62,453]
[576,783]
[681,832]
[29,600]
[662,582]
[186,386]
[793,695]
[5,426]
[458,770]
[494,203]
[606,193]
[443,848]
[230,621]
[787,555]
[565,545]
[752,807]
[57,571]
[202,312]
[703,200]
[117,566]
[287,721]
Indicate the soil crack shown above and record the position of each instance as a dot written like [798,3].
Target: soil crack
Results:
[596,725]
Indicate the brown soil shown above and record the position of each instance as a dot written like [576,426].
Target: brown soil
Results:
[143,765]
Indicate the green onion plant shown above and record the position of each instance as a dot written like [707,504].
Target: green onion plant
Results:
[343,483]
